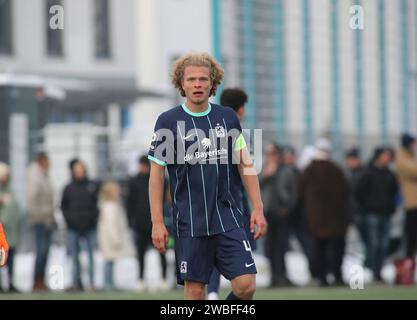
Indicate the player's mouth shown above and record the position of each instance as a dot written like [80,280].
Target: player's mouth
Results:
[198,93]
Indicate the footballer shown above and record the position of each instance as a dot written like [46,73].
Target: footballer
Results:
[201,145]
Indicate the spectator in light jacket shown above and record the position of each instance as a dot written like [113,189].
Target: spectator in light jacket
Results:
[112,231]
[40,214]
[406,167]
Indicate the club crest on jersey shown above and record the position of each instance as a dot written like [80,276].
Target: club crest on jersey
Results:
[183,268]
[220,132]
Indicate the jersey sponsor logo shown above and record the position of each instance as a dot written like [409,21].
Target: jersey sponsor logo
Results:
[211,155]
[183,268]
[206,143]
[248,265]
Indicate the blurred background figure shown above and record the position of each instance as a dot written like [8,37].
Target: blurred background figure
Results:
[324,191]
[40,215]
[406,169]
[297,218]
[112,231]
[10,217]
[278,188]
[79,207]
[289,157]
[139,213]
[307,155]
[376,193]
[354,170]
[236,99]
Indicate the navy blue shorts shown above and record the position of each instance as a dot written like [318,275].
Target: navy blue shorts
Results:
[229,252]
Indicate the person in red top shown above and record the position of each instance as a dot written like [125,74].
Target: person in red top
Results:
[4,247]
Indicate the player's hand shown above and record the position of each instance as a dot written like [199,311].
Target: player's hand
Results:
[257,218]
[160,237]
[4,247]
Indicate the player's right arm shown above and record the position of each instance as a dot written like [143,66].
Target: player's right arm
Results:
[160,234]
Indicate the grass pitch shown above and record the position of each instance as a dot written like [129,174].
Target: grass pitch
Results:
[370,292]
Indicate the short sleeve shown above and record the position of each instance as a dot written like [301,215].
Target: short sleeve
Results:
[157,140]
[239,142]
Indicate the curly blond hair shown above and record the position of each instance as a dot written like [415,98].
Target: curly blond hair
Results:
[200,60]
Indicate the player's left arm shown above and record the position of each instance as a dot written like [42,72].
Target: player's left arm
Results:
[251,183]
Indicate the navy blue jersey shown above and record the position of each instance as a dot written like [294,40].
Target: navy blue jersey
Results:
[198,151]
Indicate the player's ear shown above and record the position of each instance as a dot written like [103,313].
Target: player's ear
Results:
[182,88]
[241,112]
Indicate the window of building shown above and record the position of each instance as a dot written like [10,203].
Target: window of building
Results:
[102,28]
[6,27]
[54,37]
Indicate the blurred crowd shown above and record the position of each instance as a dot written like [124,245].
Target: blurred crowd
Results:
[306,196]
[315,200]
[98,215]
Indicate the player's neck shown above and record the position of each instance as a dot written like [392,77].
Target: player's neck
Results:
[197,108]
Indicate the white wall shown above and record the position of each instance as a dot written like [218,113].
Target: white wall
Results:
[164,29]
[370,68]
[29,26]
[230,41]
[347,70]
[321,65]
[394,66]
[413,63]
[294,74]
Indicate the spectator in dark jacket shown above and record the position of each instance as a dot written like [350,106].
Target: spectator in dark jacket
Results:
[139,213]
[376,194]
[354,170]
[297,218]
[80,210]
[278,188]
[324,191]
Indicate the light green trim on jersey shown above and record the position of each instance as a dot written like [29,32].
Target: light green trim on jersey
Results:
[240,143]
[197,114]
[160,162]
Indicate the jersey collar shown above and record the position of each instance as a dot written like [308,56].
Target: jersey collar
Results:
[196,114]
